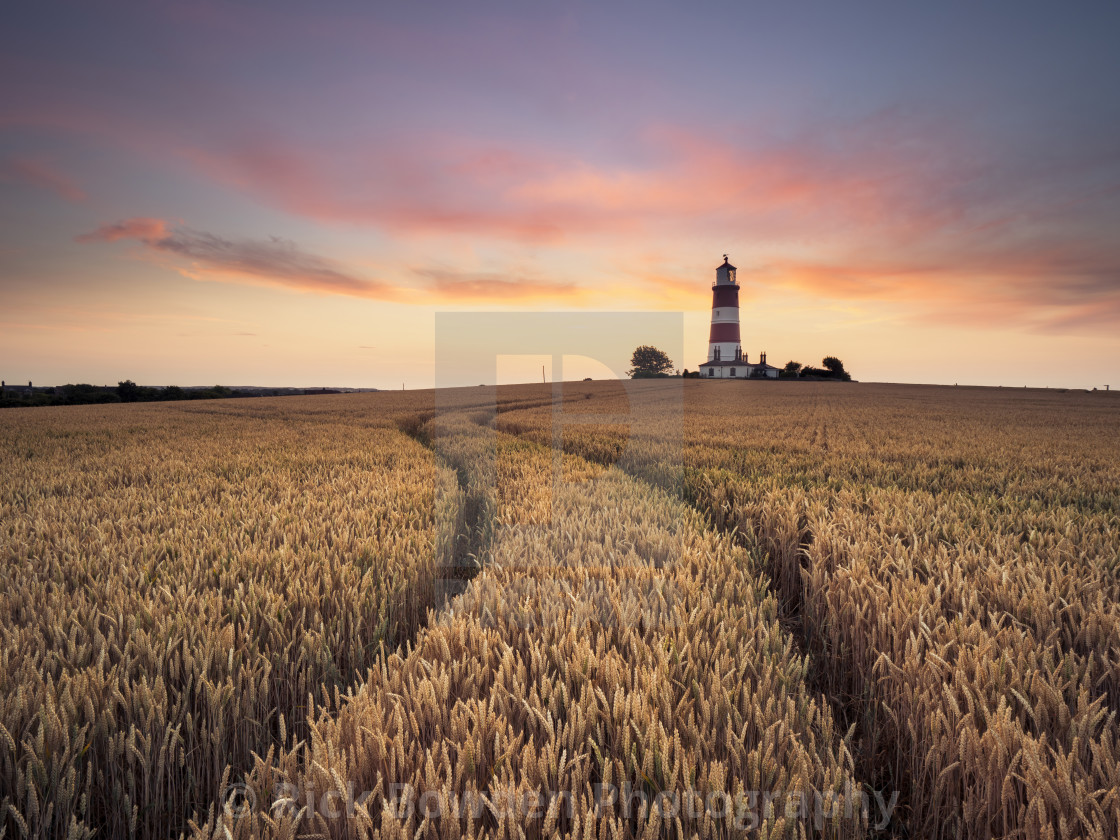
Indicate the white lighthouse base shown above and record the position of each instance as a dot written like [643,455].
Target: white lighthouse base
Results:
[737,370]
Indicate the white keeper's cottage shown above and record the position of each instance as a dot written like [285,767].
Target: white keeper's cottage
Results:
[726,359]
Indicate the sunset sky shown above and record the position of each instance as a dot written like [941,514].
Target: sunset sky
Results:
[286,193]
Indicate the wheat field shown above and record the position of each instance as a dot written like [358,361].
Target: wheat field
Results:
[950,558]
[795,609]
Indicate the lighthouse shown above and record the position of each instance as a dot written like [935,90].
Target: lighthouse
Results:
[726,359]
[723,340]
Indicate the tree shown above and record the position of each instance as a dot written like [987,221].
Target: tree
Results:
[791,369]
[648,361]
[836,368]
[128,391]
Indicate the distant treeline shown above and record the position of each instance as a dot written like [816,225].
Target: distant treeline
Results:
[129,391]
[831,368]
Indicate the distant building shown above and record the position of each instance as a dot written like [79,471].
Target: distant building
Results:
[17,390]
[726,359]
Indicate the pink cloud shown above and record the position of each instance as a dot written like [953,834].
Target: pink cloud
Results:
[142,229]
[889,190]
[534,195]
[39,173]
[892,208]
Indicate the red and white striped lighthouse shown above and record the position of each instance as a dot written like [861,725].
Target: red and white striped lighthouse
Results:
[723,341]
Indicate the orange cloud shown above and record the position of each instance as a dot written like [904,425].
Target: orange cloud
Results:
[452,285]
[1037,287]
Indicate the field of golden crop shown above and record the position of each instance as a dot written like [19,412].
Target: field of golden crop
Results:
[950,561]
[182,585]
[768,617]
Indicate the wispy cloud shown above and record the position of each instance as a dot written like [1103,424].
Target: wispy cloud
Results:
[273,261]
[893,172]
[456,285]
[281,263]
[892,207]
[895,206]
[1030,285]
[143,229]
[539,195]
[43,175]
